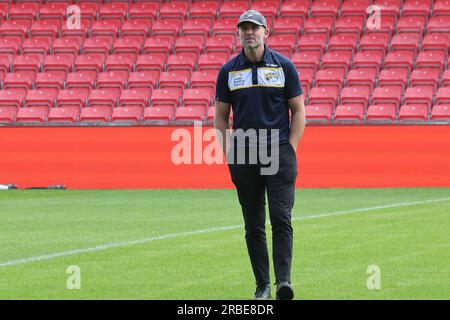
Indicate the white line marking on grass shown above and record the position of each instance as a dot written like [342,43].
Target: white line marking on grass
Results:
[202,231]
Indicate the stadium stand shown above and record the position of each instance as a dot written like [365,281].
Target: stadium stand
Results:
[156,62]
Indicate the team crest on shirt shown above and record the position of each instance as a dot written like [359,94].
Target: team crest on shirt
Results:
[272,77]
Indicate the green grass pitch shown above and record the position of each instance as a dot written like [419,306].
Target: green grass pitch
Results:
[189,244]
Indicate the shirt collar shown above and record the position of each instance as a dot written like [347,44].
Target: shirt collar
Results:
[265,58]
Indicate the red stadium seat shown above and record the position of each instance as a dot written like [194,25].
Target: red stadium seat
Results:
[307,59]
[419,95]
[81,79]
[12,97]
[112,79]
[295,8]
[50,79]
[362,77]
[436,41]
[64,115]
[283,43]
[161,114]
[210,115]
[54,10]
[173,10]
[406,41]
[59,62]
[174,78]
[135,97]
[159,44]
[18,28]
[120,61]
[233,9]
[349,24]
[417,8]
[401,59]
[88,10]
[128,45]
[189,114]
[443,95]
[73,96]
[166,27]
[197,27]
[349,113]
[324,95]
[374,41]
[81,32]
[190,43]
[389,7]
[8,114]
[354,8]
[441,8]
[431,59]
[23,11]
[43,97]
[306,79]
[288,25]
[223,43]
[313,42]
[381,113]
[136,27]
[425,76]
[100,113]
[393,77]
[386,26]
[127,114]
[46,28]
[414,24]
[182,61]
[387,95]
[413,113]
[225,26]
[106,28]
[68,45]
[202,96]
[355,95]
[143,78]
[39,45]
[368,59]
[10,45]
[91,61]
[269,8]
[31,115]
[335,59]
[318,25]
[446,78]
[103,97]
[325,8]
[28,62]
[437,24]
[114,10]
[151,61]
[204,9]
[318,113]
[144,10]
[98,45]
[343,41]
[21,79]
[204,78]
[170,96]
[213,60]
[330,77]
[440,112]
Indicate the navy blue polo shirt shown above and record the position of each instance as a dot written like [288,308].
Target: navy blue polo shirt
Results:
[259,92]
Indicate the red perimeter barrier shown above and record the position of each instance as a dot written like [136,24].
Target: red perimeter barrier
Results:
[140,157]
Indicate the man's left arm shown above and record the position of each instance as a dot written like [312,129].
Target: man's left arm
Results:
[298,120]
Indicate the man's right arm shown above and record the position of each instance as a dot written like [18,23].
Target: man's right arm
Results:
[221,123]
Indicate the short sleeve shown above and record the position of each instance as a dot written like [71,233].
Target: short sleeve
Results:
[292,84]
[223,92]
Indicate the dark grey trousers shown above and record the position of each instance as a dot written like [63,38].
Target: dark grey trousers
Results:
[251,188]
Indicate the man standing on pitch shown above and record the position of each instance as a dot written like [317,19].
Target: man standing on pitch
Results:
[261,86]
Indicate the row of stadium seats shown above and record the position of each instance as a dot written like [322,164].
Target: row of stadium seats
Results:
[163,58]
